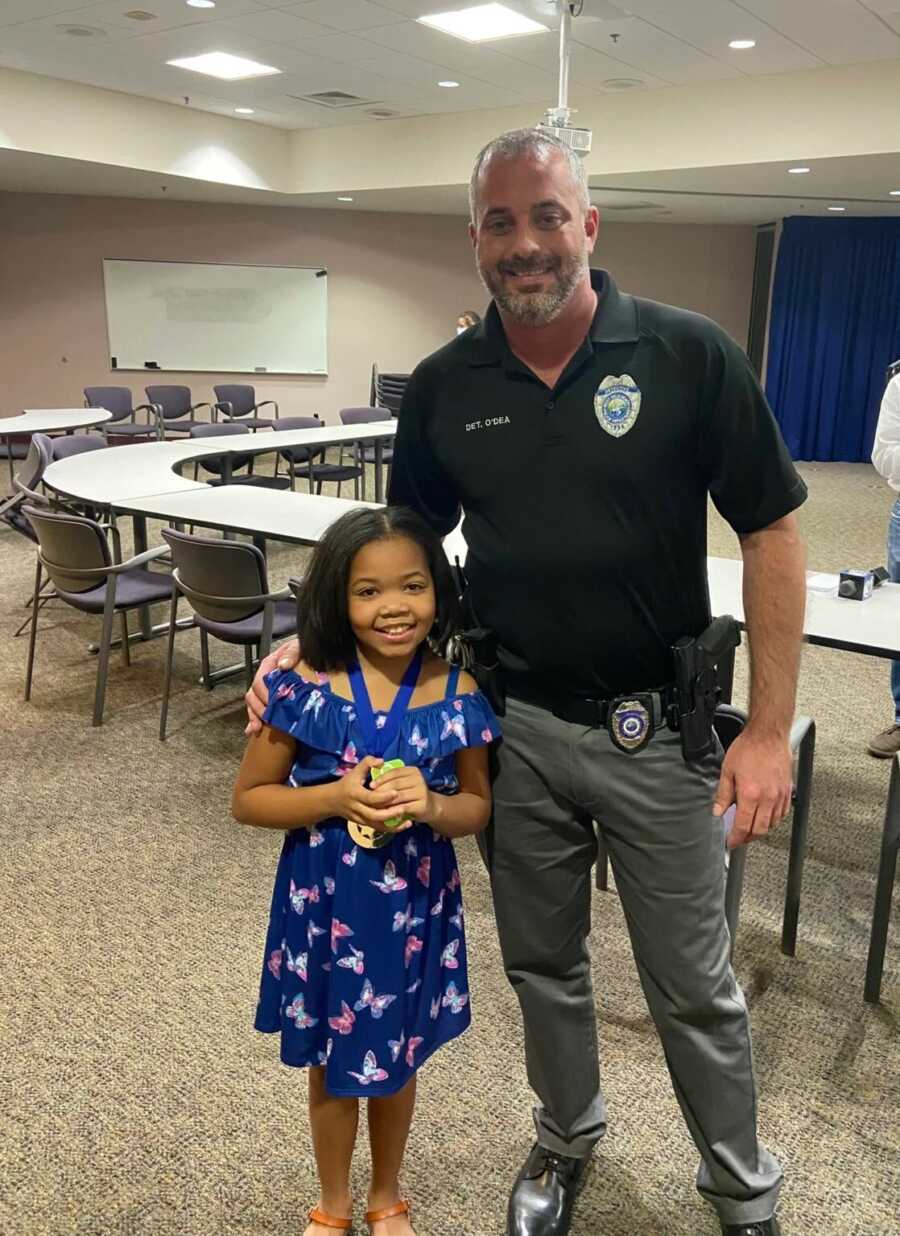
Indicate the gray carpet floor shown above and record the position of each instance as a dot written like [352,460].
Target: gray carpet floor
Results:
[137,1100]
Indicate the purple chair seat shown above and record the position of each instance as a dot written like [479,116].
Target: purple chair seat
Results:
[127,429]
[248,630]
[260,482]
[133,588]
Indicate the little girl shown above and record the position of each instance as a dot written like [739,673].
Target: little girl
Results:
[364,973]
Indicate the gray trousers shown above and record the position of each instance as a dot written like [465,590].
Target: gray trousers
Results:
[668,855]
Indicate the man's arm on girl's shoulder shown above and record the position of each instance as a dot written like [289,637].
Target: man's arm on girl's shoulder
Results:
[257,698]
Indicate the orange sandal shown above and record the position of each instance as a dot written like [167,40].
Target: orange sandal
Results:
[319,1216]
[375,1216]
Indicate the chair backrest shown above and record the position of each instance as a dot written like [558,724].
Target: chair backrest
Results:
[728,722]
[298,422]
[174,400]
[76,444]
[68,543]
[213,463]
[386,389]
[216,430]
[36,462]
[241,398]
[28,477]
[216,575]
[116,399]
[364,416]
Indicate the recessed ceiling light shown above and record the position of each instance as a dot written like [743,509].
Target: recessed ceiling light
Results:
[82,32]
[482,22]
[798,171]
[449,85]
[345,199]
[742,44]
[222,64]
[894,193]
[837,209]
[244,111]
[202,4]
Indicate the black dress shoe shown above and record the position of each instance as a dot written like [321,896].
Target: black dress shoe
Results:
[768,1227]
[544,1194]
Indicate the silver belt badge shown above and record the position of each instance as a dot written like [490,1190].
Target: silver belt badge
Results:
[630,723]
[617,404]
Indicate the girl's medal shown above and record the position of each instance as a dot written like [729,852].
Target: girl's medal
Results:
[377,740]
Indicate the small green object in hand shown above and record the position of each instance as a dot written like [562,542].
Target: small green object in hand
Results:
[374,775]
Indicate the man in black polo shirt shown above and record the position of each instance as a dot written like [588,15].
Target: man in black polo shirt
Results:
[578,431]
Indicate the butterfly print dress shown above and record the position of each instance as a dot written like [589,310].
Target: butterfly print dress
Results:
[365,962]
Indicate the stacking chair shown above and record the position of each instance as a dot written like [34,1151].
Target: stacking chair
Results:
[729,722]
[216,463]
[12,448]
[124,423]
[386,389]
[365,454]
[226,585]
[174,409]
[239,403]
[75,553]
[316,473]
[25,485]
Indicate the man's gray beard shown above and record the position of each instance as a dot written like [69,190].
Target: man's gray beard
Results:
[536,308]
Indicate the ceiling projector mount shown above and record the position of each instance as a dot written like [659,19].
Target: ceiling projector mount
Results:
[557,120]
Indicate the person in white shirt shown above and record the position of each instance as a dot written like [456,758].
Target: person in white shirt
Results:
[886,458]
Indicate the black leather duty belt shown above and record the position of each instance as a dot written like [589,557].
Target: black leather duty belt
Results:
[630,718]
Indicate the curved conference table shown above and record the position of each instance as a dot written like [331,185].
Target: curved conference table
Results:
[142,481]
[48,420]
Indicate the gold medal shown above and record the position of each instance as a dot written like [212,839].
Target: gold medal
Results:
[368,838]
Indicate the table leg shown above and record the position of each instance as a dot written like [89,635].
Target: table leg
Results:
[379,469]
[887,869]
[139,524]
[7,440]
[799,830]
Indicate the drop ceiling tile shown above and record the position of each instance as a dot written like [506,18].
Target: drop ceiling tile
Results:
[274,27]
[167,13]
[13,11]
[639,45]
[351,15]
[833,30]
[710,26]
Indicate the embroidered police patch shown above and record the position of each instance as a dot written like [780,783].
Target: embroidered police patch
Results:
[617,403]
[629,724]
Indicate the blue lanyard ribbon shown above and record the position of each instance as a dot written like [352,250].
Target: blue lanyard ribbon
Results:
[378,740]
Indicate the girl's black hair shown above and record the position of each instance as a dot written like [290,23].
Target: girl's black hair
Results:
[323,626]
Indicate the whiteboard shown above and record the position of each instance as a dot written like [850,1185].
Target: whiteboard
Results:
[221,319]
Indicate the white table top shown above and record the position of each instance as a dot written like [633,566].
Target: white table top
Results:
[50,420]
[871,626]
[279,514]
[139,469]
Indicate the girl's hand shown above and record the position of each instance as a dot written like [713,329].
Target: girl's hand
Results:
[354,801]
[412,796]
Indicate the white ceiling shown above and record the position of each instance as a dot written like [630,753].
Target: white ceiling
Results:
[375,49]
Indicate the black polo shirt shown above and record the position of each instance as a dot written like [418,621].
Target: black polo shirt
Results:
[585,506]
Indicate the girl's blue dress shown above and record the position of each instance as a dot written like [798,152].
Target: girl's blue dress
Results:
[365,965]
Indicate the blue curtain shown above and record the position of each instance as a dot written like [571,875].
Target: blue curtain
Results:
[835,327]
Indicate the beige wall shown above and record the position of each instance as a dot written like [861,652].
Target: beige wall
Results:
[396,283]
